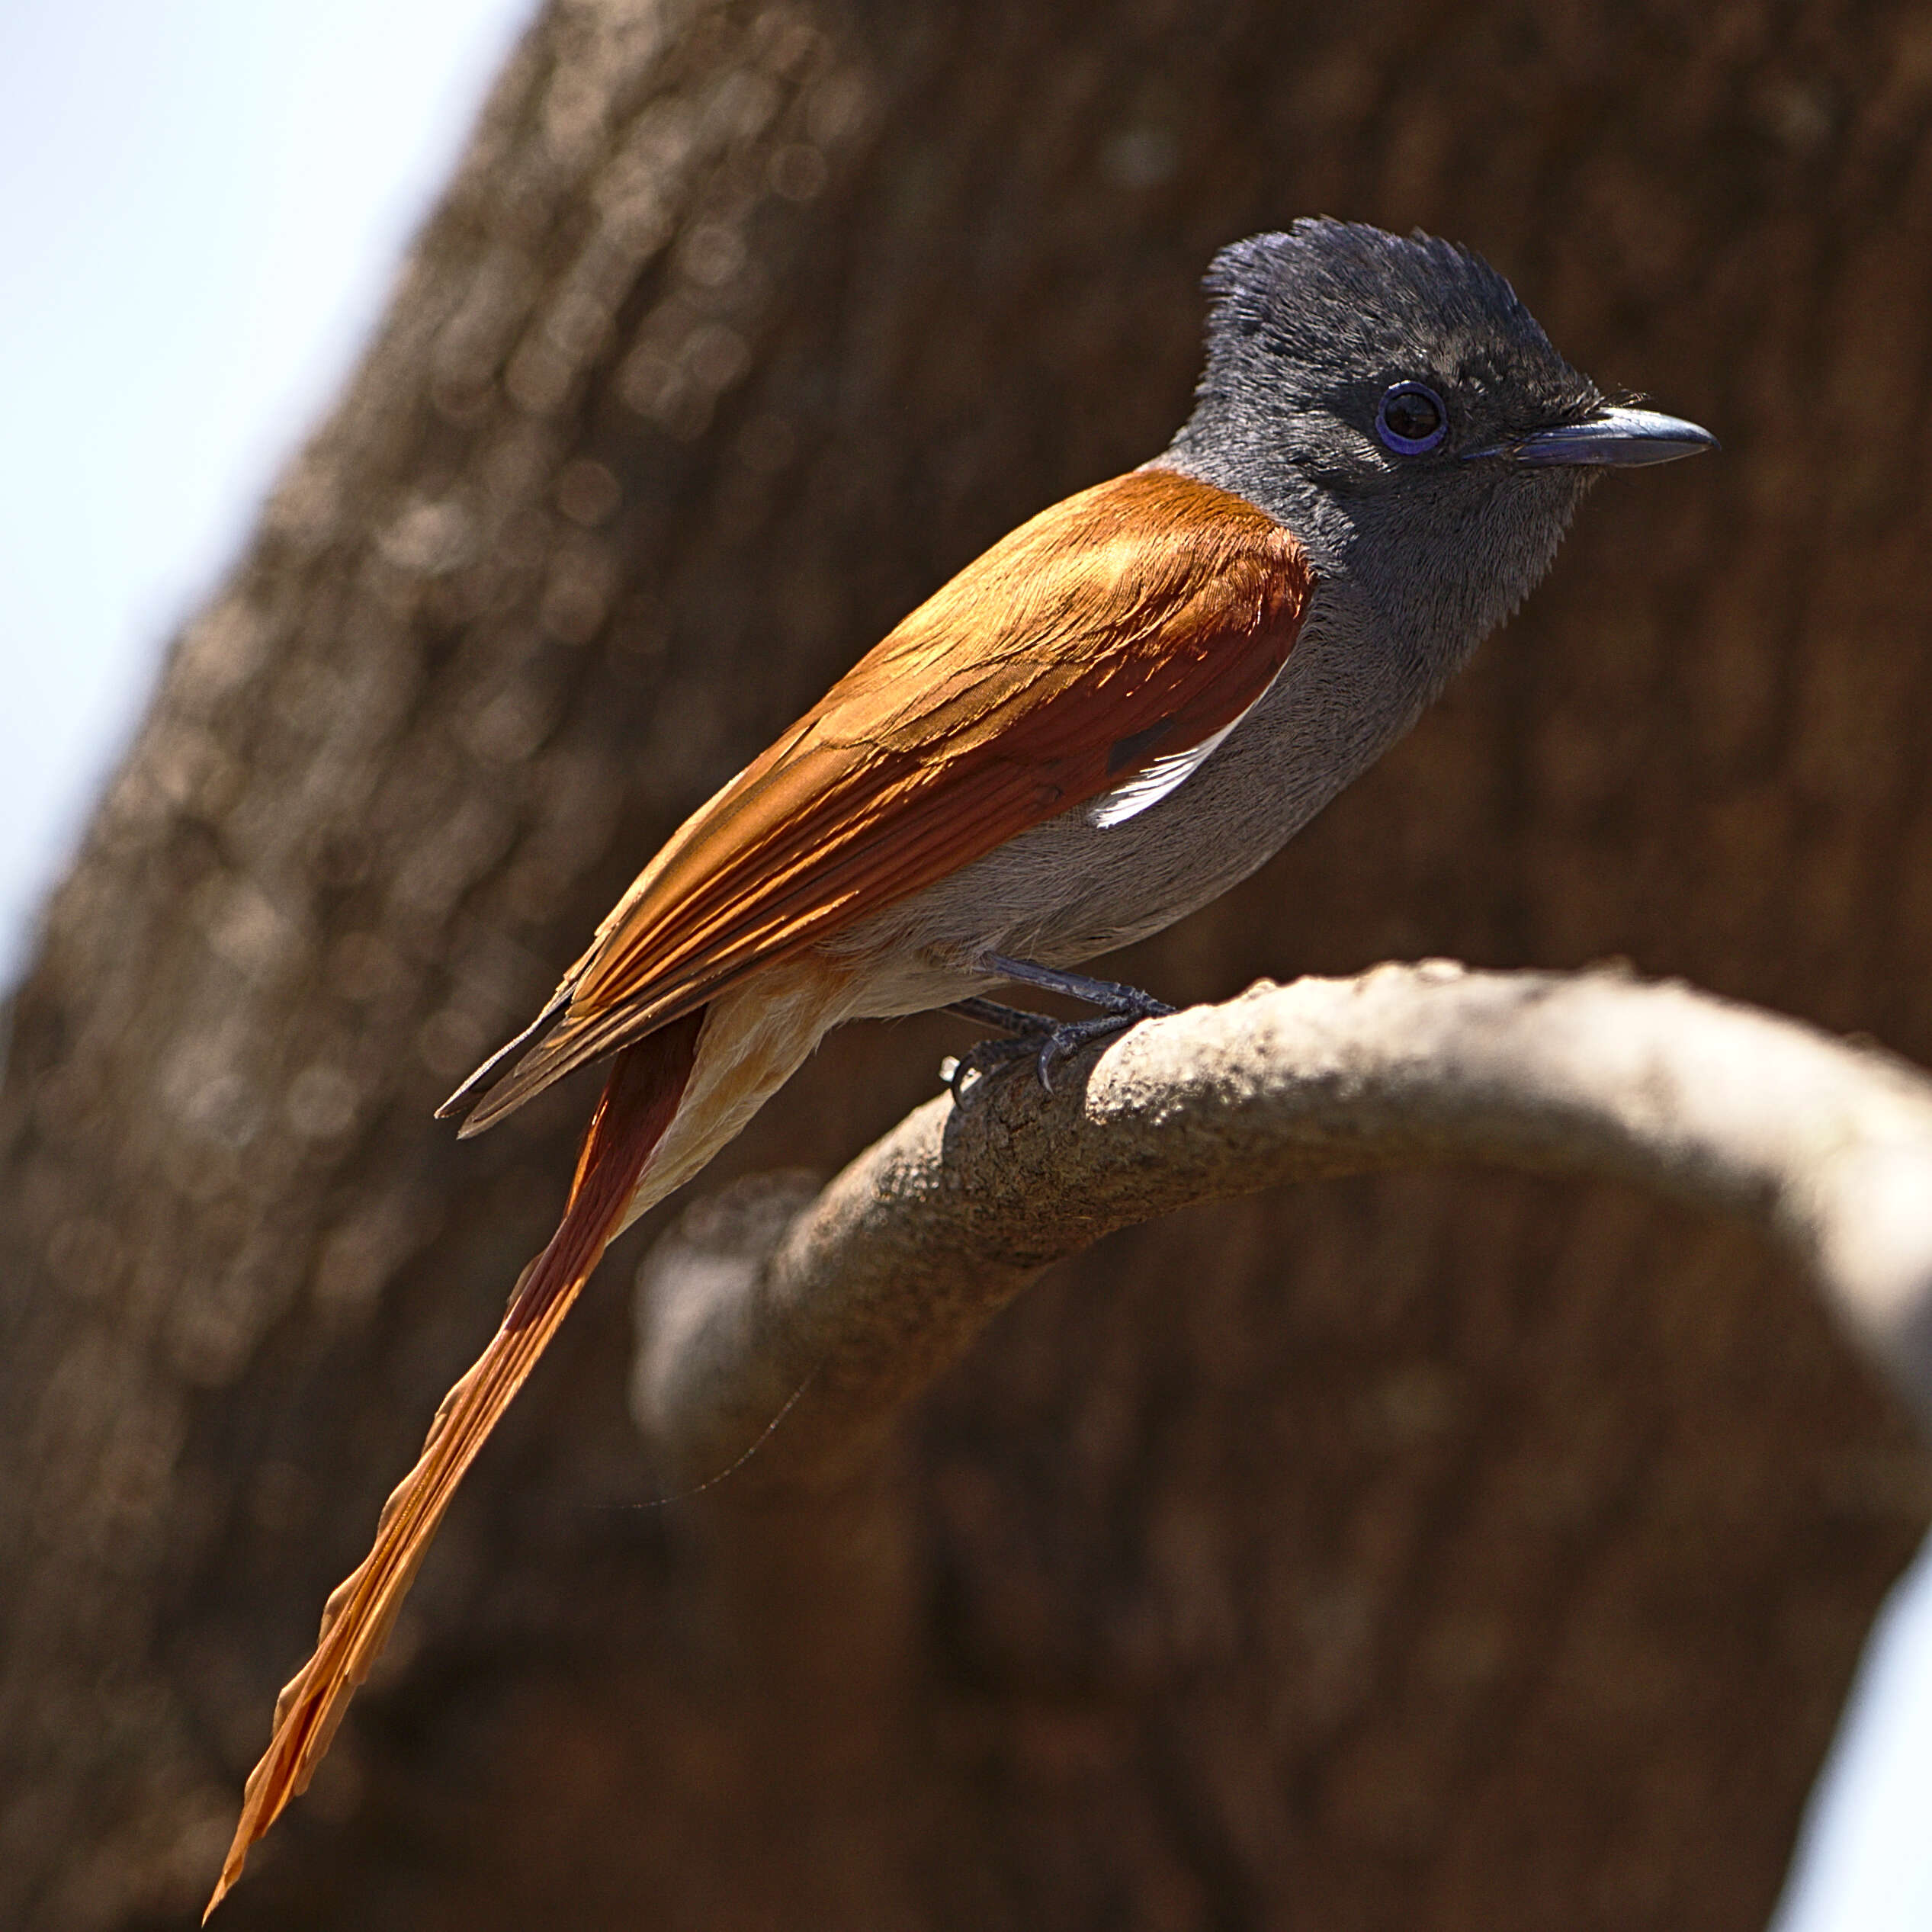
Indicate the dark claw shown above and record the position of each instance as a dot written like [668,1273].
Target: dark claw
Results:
[1065,1040]
[984,1060]
[1035,1036]
[1046,1045]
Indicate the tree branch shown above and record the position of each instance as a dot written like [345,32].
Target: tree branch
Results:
[853,1298]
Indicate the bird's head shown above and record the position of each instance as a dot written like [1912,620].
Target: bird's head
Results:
[1391,400]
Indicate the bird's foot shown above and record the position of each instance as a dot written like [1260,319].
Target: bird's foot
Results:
[1036,1037]
[1053,1042]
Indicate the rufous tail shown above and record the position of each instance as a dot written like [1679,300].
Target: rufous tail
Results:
[641,1098]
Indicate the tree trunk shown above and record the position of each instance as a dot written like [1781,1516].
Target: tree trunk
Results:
[1440,1550]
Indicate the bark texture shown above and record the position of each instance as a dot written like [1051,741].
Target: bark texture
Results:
[1438,1550]
[796,1323]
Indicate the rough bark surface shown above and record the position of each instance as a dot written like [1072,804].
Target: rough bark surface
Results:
[782,1328]
[1437,1550]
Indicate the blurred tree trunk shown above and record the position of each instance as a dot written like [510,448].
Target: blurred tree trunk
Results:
[1446,1551]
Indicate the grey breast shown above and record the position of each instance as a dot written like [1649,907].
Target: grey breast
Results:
[1068,889]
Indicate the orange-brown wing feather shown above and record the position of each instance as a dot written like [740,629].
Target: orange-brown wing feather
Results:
[640,1098]
[1131,621]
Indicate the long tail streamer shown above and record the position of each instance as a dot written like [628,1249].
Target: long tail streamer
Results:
[641,1099]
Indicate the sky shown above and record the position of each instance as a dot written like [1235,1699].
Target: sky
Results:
[202,205]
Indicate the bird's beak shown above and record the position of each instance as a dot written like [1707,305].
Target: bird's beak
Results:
[1613,435]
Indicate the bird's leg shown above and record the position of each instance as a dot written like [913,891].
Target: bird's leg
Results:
[1009,1020]
[1036,1036]
[1025,1033]
[1117,1002]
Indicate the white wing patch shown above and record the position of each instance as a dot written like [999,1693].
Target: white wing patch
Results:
[1163,775]
[1149,787]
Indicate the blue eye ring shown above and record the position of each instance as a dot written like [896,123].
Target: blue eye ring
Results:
[1406,408]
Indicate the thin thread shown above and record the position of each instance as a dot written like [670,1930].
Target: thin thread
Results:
[731,1469]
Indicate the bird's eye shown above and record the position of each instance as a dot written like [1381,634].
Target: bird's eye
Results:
[1411,420]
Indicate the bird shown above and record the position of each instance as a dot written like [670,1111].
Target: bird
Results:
[1122,708]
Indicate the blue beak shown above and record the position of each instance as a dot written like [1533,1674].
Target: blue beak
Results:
[1614,434]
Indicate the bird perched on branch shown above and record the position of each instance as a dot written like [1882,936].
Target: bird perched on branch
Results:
[1118,711]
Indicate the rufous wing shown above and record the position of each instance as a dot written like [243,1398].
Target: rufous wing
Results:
[1128,624]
